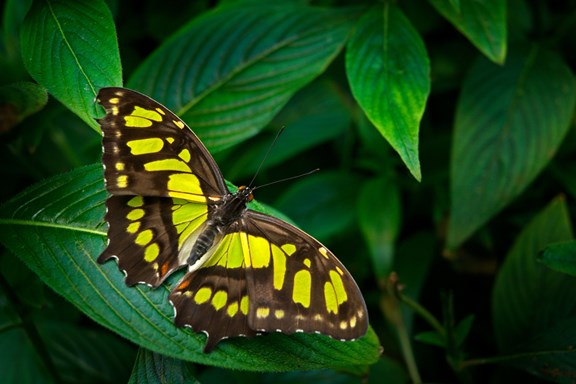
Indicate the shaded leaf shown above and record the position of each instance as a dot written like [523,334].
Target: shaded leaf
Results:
[229,71]
[18,101]
[152,368]
[388,70]
[57,229]
[509,123]
[560,257]
[482,22]
[314,115]
[328,204]
[70,48]
[379,215]
[534,308]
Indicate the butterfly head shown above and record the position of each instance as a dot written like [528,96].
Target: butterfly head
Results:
[245,193]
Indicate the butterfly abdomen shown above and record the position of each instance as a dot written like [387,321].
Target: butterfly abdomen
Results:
[204,242]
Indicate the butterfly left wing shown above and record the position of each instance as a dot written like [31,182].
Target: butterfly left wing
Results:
[149,151]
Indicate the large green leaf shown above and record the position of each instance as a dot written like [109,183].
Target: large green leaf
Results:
[152,368]
[57,229]
[482,22]
[70,48]
[388,71]
[509,123]
[228,72]
[534,308]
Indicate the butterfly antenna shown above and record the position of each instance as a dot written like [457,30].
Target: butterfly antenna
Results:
[288,178]
[266,155]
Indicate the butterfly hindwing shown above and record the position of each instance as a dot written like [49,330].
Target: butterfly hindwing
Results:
[149,151]
[146,235]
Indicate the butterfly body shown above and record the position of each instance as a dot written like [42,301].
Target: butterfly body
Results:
[247,272]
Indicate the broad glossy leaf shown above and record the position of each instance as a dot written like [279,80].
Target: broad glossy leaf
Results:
[57,229]
[388,70]
[152,368]
[229,71]
[560,257]
[379,214]
[509,123]
[323,204]
[70,48]
[482,22]
[316,113]
[534,308]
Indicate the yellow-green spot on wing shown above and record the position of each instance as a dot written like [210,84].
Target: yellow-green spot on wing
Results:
[185,155]
[151,252]
[133,227]
[203,295]
[135,214]
[232,309]
[144,237]
[259,251]
[167,165]
[339,288]
[279,260]
[288,248]
[330,298]
[219,299]
[145,146]
[302,287]
[122,181]
[142,118]
[185,186]
[188,212]
[244,305]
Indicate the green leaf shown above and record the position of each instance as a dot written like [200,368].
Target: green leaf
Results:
[70,48]
[432,338]
[327,206]
[534,308]
[560,257]
[482,22]
[56,227]
[316,113]
[152,368]
[228,72]
[463,329]
[388,70]
[379,214]
[509,123]
[18,101]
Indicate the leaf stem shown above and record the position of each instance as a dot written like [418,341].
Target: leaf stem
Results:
[30,329]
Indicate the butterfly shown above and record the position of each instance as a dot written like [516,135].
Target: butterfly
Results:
[247,272]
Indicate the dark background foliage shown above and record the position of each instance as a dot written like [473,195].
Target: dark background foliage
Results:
[443,131]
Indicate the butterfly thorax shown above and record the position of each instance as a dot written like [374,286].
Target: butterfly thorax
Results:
[222,215]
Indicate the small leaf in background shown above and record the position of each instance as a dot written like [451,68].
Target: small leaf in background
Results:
[534,308]
[379,215]
[321,205]
[482,22]
[560,257]
[70,48]
[228,72]
[152,368]
[388,70]
[56,227]
[432,338]
[509,123]
[18,101]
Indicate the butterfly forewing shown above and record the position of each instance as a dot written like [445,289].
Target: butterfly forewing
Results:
[258,273]
[149,151]
[296,284]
